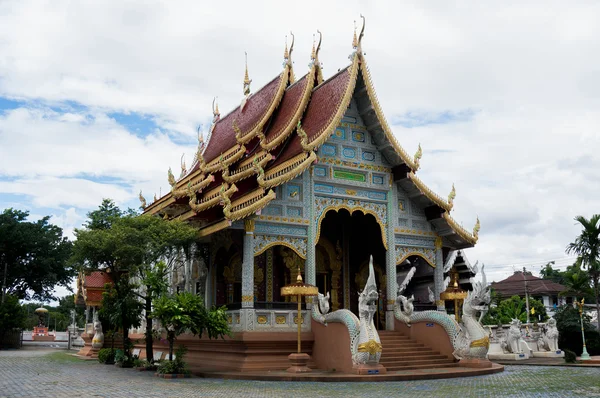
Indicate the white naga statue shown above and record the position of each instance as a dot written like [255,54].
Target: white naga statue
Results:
[403,307]
[98,340]
[548,341]
[365,345]
[472,340]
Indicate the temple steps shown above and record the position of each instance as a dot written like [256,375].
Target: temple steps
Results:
[401,353]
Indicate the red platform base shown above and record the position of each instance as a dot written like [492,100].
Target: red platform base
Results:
[299,362]
[368,369]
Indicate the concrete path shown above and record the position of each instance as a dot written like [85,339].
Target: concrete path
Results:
[55,373]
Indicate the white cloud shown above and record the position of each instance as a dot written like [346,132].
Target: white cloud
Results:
[526,162]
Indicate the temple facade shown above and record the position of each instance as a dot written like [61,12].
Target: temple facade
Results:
[307,174]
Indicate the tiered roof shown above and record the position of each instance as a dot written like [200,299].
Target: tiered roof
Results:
[515,285]
[90,287]
[273,136]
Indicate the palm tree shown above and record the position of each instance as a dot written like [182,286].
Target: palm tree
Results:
[587,249]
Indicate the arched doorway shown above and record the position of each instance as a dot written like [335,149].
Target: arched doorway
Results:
[346,241]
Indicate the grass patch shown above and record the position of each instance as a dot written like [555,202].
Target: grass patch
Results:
[62,356]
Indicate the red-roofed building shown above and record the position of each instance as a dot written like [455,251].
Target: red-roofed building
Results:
[540,289]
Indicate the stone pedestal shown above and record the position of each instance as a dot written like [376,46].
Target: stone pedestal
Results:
[549,354]
[475,363]
[369,369]
[299,362]
[508,357]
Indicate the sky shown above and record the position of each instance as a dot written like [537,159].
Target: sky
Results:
[99,99]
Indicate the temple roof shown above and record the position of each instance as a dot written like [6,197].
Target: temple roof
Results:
[514,285]
[90,286]
[273,136]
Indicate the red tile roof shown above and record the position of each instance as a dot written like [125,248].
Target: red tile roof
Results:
[515,285]
[223,135]
[96,279]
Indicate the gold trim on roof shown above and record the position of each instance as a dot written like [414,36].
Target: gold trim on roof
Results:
[247,205]
[243,138]
[196,187]
[335,120]
[214,228]
[211,199]
[286,171]
[246,169]
[289,128]
[382,121]
[462,232]
[425,190]
[407,255]
[233,154]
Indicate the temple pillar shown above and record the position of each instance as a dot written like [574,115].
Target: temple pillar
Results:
[390,261]
[247,311]
[310,267]
[438,275]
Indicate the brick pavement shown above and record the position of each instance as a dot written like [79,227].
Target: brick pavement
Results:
[54,374]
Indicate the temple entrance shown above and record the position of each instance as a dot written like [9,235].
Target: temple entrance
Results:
[346,241]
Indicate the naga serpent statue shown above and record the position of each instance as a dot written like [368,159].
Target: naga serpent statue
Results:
[403,307]
[365,345]
[472,341]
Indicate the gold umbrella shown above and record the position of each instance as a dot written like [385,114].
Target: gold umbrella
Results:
[454,293]
[299,289]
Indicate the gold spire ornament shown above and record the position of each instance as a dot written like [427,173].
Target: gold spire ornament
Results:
[292,78]
[142,201]
[247,80]
[476,229]
[354,39]
[286,54]
[451,196]
[183,166]
[418,156]
[171,178]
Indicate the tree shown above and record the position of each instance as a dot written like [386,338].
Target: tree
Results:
[120,309]
[587,248]
[552,274]
[514,308]
[185,312]
[568,324]
[132,246]
[577,282]
[12,315]
[33,256]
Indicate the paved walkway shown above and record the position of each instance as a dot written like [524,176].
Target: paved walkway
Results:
[47,373]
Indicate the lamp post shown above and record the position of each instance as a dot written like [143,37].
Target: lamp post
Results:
[584,354]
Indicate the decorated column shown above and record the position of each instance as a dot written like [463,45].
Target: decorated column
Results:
[248,276]
[310,269]
[390,261]
[438,275]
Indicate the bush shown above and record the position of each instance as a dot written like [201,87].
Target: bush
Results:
[569,328]
[176,366]
[570,356]
[106,355]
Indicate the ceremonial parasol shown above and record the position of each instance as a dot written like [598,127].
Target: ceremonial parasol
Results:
[299,289]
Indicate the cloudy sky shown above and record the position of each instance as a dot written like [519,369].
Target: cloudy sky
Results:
[98,99]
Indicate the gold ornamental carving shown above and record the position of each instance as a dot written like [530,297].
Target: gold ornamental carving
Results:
[371,346]
[280,319]
[262,319]
[482,342]
[248,298]
[249,225]
[296,320]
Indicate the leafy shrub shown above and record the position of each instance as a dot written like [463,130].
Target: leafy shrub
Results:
[568,323]
[106,355]
[176,366]
[570,356]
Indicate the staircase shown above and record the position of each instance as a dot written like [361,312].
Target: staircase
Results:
[401,353]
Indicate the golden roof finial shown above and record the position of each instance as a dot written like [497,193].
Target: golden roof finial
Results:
[476,229]
[286,54]
[142,201]
[452,195]
[247,80]
[318,45]
[362,32]
[313,53]
[215,106]
[354,39]
[299,277]
[418,156]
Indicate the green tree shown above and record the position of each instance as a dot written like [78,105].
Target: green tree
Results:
[120,309]
[185,312]
[515,308]
[587,248]
[577,282]
[12,315]
[132,246]
[568,324]
[552,274]
[33,256]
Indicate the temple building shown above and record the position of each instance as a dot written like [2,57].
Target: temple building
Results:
[306,173]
